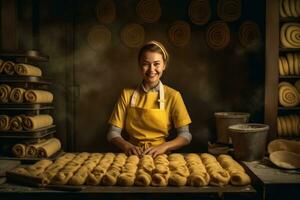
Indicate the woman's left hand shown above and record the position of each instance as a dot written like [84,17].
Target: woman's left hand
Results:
[156,150]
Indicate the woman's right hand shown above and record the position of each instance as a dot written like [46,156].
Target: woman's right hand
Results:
[133,150]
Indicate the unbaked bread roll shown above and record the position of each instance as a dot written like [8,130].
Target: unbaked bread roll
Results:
[145,168]
[98,172]
[19,150]
[8,67]
[288,95]
[5,91]
[127,176]
[16,123]
[198,174]
[161,172]
[179,170]
[49,148]
[38,96]
[238,176]
[27,70]
[218,175]
[37,121]
[111,176]
[39,167]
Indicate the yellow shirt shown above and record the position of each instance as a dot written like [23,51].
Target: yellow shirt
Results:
[175,108]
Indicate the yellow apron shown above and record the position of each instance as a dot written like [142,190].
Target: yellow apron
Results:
[147,127]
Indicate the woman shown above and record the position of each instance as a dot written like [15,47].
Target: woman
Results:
[149,111]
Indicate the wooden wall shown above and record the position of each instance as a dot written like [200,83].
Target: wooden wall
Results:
[87,83]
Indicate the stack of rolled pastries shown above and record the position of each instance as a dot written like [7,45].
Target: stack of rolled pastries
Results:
[110,169]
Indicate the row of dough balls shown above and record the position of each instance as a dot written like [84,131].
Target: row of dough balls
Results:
[289,8]
[288,126]
[117,169]
[21,69]
[289,64]
[289,94]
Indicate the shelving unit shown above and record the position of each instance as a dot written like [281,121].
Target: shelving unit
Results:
[10,137]
[272,78]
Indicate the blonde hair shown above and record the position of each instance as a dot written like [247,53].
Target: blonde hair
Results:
[154,46]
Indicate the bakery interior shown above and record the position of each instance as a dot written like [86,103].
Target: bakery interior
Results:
[63,65]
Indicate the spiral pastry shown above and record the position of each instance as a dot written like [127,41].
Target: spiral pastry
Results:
[98,37]
[229,10]
[148,10]
[27,70]
[98,172]
[218,175]
[198,174]
[1,66]
[19,150]
[237,173]
[288,126]
[16,123]
[217,35]
[289,8]
[37,121]
[111,176]
[290,35]
[288,95]
[179,33]
[161,172]
[4,122]
[106,11]
[127,176]
[8,67]
[17,95]
[179,170]
[133,35]
[199,11]
[4,93]
[249,34]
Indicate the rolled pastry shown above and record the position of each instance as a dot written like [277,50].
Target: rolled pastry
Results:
[4,93]
[289,35]
[199,11]
[8,67]
[4,122]
[288,95]
[145,167]
[106,11]
[36,122]
[280,67]
[27,70]
[133,35]
[290,59]
[97,174]
[19,150]
[218,175]
[229,10]
[249,34]
[297,85]
[1,65]
[179,170]
[217,35]
[38,96]
[127,176]
[149,10]
[49,148]
[17,95]
[238,176]
[161,172]
[282,12]
[279,127]
[179,33]
[111,176]
[285,66]
[198,174]
[16,123]
[32,149]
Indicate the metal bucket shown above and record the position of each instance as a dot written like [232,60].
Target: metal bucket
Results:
[249,141]
[224,120]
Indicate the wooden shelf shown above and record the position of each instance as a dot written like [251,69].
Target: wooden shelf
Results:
[290,77]
[30,55]
[282,49]
[289,108]
[24,79]
[289,19]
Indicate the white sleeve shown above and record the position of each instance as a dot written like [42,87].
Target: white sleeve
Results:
[184,132]
[113,132]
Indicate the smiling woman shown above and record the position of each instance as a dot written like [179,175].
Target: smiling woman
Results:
[149,111]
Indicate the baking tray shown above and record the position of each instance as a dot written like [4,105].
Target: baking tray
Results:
[38,133]
[26,106]
[32,55]
[24,79]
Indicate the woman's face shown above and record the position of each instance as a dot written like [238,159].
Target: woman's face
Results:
[152,67]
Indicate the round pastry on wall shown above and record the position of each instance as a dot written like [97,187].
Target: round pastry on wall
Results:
[217,35]
[179,33]
[106,11]
[199,11]
[133,35]
[249,34]
[148,10]
[98,36]
[229,10]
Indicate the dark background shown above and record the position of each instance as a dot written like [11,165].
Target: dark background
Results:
[87,83]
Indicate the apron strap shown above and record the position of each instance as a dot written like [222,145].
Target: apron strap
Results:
[161,99]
